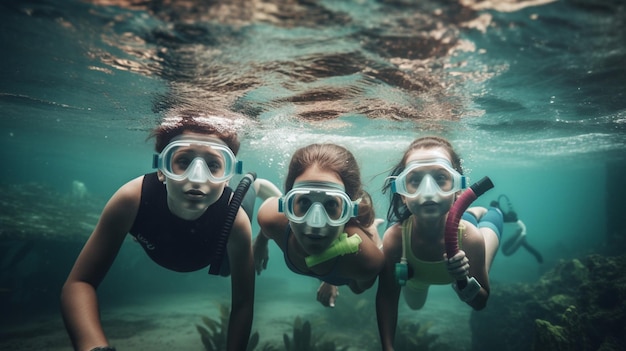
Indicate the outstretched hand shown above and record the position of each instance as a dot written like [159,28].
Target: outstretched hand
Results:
[261,254]
[327,294]
[458,266]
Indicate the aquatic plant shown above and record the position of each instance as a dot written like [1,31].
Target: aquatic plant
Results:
[302,339]
[352,315]
[415,337]
[347,311]
[579,304]
[214,333]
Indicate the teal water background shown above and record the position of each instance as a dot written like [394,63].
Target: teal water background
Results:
[535,101]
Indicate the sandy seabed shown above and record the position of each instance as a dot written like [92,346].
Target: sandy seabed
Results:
[168,322]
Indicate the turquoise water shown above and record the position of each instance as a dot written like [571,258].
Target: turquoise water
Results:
[533,98]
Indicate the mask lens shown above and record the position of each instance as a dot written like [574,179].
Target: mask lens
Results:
[214,161]
[429,175]
[308,204]
[179,160]
[332,205]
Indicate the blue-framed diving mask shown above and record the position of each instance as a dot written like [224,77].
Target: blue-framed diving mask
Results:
[428,177]
[318,204]
[197,161]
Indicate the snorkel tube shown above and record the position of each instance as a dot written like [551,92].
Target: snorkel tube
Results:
[233,209]
[454,217]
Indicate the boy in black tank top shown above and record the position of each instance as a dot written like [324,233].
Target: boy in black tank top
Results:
[175,214]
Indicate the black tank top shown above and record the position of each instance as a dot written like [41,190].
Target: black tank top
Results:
[172,242]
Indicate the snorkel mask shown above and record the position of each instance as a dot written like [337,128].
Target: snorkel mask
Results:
[318,205]
[197,161]
[428,177]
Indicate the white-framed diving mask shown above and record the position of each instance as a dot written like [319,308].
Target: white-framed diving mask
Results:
[197,161]
[428,177]
[318,204]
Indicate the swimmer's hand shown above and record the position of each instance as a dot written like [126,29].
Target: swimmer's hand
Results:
[261,253]
[458,266]
[327,294]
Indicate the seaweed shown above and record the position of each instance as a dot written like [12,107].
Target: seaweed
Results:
[302,339]
[580,304]
[415,336]
[214,333]
[354,315]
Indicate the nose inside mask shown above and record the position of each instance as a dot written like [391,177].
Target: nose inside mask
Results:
[198,171]
[316,217]
[428,186]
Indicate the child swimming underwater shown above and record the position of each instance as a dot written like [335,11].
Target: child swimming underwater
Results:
[323,224]
[176,215]
[425,185]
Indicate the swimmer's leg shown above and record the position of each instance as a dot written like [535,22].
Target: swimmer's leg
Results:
[490,225]
[516,240]
[415,295]
[533,251]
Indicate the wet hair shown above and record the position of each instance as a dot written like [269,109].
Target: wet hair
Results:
[398,211]
[339,160]
[224,128]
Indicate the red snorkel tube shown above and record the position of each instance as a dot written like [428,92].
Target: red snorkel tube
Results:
[454,217]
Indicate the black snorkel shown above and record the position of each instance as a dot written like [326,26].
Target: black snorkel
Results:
[231,214]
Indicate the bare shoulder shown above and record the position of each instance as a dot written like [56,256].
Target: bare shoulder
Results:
[120,212]
[130,192]
[392,240]
[367,261]
[242,229]
[366,240]
[126,200]
[272,222]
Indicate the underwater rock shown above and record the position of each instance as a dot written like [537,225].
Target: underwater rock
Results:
[579,305]
[34,211]
[79,190]
[41,234]
[551,337]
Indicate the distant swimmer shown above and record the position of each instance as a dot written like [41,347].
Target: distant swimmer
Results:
[511,245]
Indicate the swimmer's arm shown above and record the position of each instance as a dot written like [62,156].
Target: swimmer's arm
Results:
[273,224]
[265,189]
[79,303]
[365,265]
[388,292]
[474,247]
[242,283]
[260,252]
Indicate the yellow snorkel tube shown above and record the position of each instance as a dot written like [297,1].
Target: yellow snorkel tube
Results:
[341,246]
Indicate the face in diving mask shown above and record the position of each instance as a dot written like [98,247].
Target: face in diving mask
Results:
[319,206]
[197,161]
[428,178]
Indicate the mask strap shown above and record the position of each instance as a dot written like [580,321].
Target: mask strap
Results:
[313,184]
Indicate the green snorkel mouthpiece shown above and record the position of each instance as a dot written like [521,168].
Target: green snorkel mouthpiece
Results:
[341,246]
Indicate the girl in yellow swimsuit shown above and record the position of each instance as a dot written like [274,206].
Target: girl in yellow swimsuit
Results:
[424,186]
